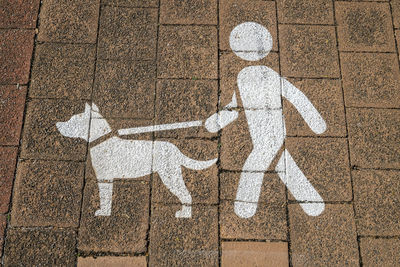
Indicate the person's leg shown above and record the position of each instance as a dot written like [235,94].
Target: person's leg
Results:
[299,186]
[105,193]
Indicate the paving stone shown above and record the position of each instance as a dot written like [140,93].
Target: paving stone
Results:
[364,27]
[47,194]
[325,163]
[243,254]
[188,52]
[18,14]
[3,225]
[230,66]
[125,89]
[329,239]
[131,3]
[70,75]
[395,12]
[202,184]
[40,247]
[305,12]
[126,229]
[235,12]
[15,55]
[268,223]
[327,97]
[371,80]
[183,241]
[380,252]
[11,112]
[308,51]
[42,140]
[185,100]
[376,198]
[111,261]
[397,33]
[188,12]
[272,190]
[8,157]
[126,33]
[69,21]
[372,139]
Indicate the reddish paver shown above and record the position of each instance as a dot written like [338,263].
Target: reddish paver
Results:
[47,194]
[128,34]
[11,112]
[254,254]
[371,80]
[15,55]
[376,197]
[18,14]
[8,156]
[112,261]
[234,12]
[364,27]
[185,100]
[325,162]
[188,12]
[40,247]
[188,52]
[202,184]
[380,251]
[308,51]
[372,139]
[131,3]
[327,97]
[3,224]
[329,239]
[67,21]
[42,140]
[71,73]
[305,12]
[183,241]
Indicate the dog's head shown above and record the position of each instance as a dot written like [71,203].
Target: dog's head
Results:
[78,125]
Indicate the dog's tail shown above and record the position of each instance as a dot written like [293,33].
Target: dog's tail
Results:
[196,164]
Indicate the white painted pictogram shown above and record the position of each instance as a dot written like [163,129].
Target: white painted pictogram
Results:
[117,158]
[260,90]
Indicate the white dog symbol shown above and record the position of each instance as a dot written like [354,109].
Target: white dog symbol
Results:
[121,158]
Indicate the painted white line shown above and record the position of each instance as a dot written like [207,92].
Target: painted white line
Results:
[161,127]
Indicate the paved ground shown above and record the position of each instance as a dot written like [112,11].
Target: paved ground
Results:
[158,62]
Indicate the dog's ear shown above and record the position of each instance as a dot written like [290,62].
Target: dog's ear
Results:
[87,108]
[95,108]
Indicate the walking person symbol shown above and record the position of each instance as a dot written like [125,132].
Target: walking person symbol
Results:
[260,90]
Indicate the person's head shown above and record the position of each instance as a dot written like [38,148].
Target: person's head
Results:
[250,41]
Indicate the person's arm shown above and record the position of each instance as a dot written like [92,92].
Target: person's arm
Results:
[304,106]
[219,120]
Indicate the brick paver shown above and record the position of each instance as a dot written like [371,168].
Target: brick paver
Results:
[152,62]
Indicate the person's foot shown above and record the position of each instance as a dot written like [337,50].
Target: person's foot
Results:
[185,212]
[245,209]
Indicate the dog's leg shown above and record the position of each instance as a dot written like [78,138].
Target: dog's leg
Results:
[105,193]
[173,180]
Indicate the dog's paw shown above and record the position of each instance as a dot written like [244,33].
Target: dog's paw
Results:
[185,212]
[102,213]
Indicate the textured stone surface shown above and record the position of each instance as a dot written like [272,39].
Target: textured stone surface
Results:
[305,12]
[15,55]
[372,139]
[396,12]
[8,157]
[3,224]
[308,51]
[112,261]
[329,239]
[131,3]
[71,73]
[18,14]
[188,52]
[371,80]
[380,252]
[235,12]
[47,194]
[267,254]
[183,241]
[188,12]
[67,21]
[364,27]
[376,198]
[127,34]
[42,140]
[40,247]
[11,112]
